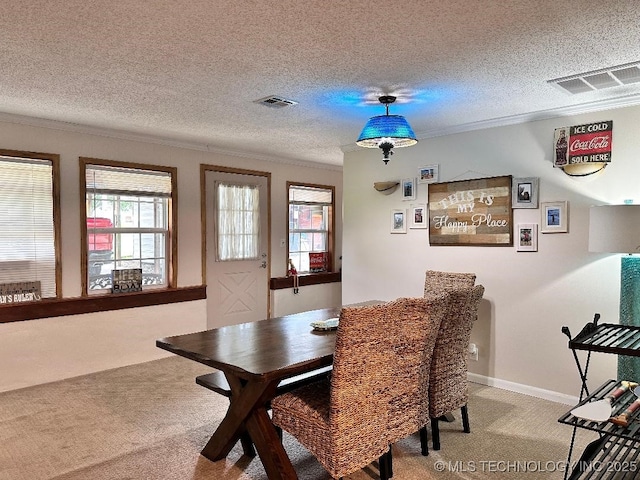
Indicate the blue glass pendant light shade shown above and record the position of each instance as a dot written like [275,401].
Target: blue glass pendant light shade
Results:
[387,131]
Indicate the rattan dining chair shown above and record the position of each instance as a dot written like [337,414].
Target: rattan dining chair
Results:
[437,282]
[344,421]
[413,335]
[448,383]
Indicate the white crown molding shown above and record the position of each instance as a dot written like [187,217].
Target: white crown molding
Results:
[609,104]
[156,140]
[618,102]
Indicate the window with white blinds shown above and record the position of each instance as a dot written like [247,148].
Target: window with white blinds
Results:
[310,227]
[128,223]
[27,228]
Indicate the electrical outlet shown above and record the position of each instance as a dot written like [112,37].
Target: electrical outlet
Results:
[473,352]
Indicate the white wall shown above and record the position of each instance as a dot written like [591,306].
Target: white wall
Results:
[529,296]
[44,350]
[311,297]
[49,349]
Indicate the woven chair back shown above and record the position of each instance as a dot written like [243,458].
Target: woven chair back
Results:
[360,388]
[448,387]
[437,282]
[413,331]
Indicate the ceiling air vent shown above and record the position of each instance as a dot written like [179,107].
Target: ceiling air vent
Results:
[627,75]
[276,102]
[576,85]
[599,79]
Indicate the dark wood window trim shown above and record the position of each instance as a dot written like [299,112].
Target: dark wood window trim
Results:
[54,158]
[79,305]
[172,260]
[331,226]
[279,283]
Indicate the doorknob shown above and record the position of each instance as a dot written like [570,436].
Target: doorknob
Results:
[263,264]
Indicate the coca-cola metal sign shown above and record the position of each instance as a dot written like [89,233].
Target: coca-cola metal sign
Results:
[589,143]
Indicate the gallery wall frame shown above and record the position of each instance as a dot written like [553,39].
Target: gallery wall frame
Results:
[524,192]
[408,186]
[419,216]
[527,237]
[398,221]
[554,217]
[428,174]
[471,212]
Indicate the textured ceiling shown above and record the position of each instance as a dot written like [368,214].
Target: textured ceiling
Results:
[189,71]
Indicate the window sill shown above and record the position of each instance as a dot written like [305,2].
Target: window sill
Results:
[279,283]
[79,305]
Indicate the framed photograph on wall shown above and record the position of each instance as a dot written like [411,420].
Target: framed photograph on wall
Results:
[555,217]
[524,192]
[428,174]
[398,221]
[408,188]
[527,237]
[419,216]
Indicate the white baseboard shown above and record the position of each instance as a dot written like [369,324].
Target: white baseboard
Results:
[524,389]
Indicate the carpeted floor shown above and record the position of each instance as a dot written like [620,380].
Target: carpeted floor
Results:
[150,421]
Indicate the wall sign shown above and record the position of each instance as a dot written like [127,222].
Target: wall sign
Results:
[18,292]
[126,280]
[471,212]
[317,262]
[579,144]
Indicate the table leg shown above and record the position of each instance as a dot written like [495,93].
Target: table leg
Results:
[269,446]
[248,413]
[243,400]
[247,444]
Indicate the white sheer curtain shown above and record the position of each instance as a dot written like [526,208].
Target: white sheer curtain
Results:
[238,221]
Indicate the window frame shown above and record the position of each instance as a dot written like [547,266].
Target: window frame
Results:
[330,225]
[54,158]
[172,249]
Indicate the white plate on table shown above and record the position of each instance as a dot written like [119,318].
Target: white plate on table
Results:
[325,325]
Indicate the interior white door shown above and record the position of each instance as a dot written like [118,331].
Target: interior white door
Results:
[237,290]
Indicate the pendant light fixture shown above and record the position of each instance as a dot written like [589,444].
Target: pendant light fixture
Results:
[387,131]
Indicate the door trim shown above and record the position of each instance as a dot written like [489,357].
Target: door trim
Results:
[204,168]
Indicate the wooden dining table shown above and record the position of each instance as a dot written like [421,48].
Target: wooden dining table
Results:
[255,357]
